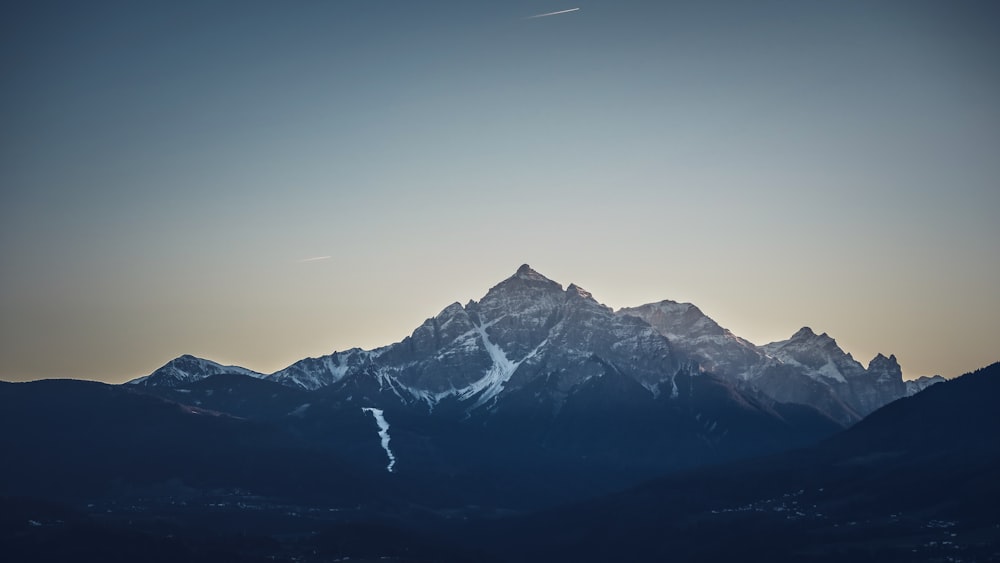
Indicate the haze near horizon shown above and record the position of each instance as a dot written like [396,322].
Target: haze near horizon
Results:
[257,182]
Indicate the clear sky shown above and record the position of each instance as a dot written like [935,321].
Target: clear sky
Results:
[168,168]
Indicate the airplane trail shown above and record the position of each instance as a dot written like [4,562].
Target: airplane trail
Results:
[551,14]
[314,259]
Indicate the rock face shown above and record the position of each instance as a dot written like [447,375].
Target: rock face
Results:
[701,339]
[528,336]
[808,368]
[837,374]
[882,384]
[817,355]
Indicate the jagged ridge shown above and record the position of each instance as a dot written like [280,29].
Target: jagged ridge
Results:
[528,327]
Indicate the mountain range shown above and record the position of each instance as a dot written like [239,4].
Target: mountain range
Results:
[598,399]
[528,332]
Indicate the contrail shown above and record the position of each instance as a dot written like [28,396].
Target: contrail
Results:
[551,14]
[315,259]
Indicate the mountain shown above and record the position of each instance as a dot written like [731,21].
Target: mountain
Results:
[818,357]
[532,371]
[533,397]
[701,339]
[537,371]
[237,395]
[188,369]
[312,373]
[915,386]
[808,368]
[527,329]
[914,481]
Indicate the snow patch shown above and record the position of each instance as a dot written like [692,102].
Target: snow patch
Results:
[493,382]
[831,371]
[336,369]
[383,433]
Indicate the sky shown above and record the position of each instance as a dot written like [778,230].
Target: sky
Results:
[258,182]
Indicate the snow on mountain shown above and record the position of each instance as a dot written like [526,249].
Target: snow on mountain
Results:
[582,329]
[915,386]
[490,385]
[525,327]
[312,373]
[383,434]
[188,369]
[807,368]
[818,355]
[701,339]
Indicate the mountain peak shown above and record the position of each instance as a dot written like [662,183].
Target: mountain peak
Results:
[452,309]
[524,279]
[881,362]
[576,291]
[804,332]
[806,337]
[188,357]
[186,369]
[526,273]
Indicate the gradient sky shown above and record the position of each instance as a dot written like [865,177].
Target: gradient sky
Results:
[167,170]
